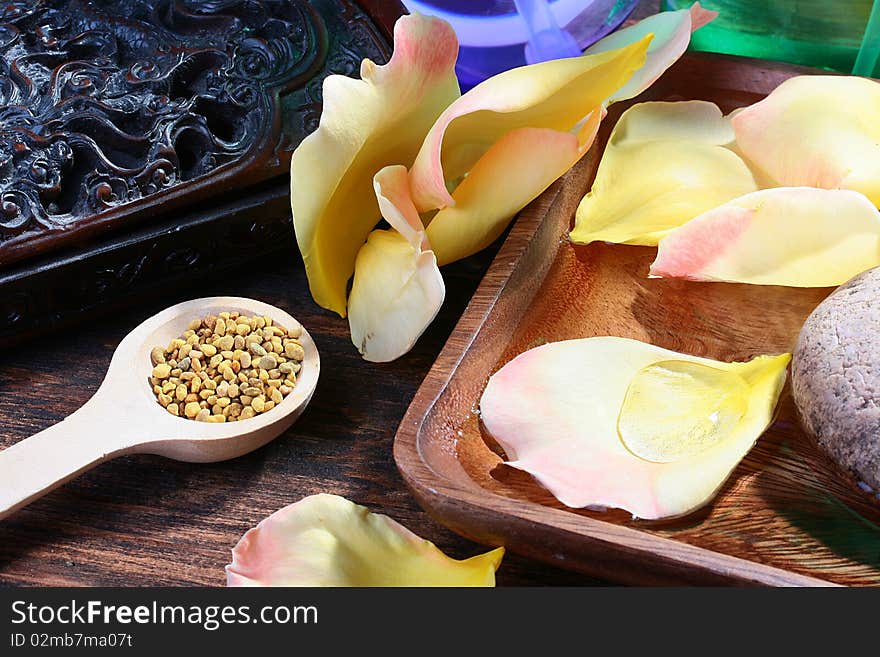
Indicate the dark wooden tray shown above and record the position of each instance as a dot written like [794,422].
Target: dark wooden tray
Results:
[144,143]
[785,517]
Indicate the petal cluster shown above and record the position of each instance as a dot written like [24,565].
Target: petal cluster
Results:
[366,124]
[446,171]
[783,192]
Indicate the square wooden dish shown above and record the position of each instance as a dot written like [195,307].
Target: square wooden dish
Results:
[785,516]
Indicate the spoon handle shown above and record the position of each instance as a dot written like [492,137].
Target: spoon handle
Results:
[34,466]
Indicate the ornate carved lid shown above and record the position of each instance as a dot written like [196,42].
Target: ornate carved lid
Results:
[113,111]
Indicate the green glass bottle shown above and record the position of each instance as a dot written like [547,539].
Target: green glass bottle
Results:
[822,33]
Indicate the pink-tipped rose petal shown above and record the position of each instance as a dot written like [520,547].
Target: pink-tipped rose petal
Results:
[565,412]
[816,131]
[326,540]
[380,119]
[794,236]
[397,288]
[672,34]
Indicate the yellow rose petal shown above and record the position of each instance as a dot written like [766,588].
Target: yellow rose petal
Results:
[500,185]
[555,95]
[693,120]
[795,236]
[664,165]
[672,34]
[817,131]
[397,288]
[326,540]
[366,124]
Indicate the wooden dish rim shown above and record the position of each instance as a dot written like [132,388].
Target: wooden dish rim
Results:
[459,507]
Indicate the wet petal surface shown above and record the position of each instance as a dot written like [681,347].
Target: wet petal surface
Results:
[613,422]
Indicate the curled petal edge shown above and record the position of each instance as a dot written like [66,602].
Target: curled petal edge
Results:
[327,540]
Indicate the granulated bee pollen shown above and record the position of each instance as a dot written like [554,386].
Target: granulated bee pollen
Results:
[157,356]
[162,371]
[226,367]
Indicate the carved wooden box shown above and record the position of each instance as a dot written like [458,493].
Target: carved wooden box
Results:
[146,140]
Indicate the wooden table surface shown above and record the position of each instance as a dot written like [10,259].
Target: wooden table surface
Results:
[143,520]
[149,521]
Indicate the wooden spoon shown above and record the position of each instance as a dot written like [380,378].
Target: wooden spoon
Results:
[123,416]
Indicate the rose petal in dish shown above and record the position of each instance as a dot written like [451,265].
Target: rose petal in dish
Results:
[672,34]
[817,131]
[613,422]
[793,236]
[695,120]
[397,288]
[663,166]
[326,540]
[366,124]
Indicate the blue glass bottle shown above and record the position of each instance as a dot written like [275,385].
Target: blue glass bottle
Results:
[492,35]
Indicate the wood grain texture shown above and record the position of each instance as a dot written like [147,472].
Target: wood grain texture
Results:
[123,418]
[785,517]
[149,521]
[139,107]
[73,222]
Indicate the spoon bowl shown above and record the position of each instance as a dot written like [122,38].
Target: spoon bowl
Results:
[124,417]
